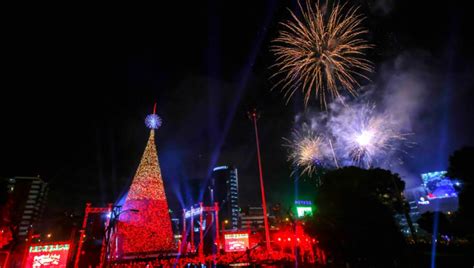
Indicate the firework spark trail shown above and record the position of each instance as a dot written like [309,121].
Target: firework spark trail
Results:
[321,53]
[333,153]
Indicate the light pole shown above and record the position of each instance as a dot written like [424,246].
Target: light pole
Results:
[254,116]
[115,214]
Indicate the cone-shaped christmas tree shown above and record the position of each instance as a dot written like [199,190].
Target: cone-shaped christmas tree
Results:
[149,228]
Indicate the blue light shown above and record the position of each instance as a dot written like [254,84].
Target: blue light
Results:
[153,121]
[303,202]
[220,168]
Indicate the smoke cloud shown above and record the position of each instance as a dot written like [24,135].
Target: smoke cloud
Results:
[399,103]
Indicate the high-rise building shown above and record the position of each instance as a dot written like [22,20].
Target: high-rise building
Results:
[176,227]
[252,218]
[414,215]
[27,201]
[225,190]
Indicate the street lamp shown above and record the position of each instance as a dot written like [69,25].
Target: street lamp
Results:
[114,216]
[224,224]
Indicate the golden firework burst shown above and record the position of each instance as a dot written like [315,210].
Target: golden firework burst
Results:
[321,52]
[306,150]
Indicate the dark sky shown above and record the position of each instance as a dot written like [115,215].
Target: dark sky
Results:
[79,80]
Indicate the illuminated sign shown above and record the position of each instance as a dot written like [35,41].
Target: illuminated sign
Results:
[193,212]
[236,242]
[303,202]
[48,255]
[303,208]
[304,211]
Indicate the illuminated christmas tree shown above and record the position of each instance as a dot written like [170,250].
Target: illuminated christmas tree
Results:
[149,228]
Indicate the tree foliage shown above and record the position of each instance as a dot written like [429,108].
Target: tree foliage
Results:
[354,221]
[460,164]
[460,167]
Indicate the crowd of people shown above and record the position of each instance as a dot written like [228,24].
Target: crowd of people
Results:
[242,258]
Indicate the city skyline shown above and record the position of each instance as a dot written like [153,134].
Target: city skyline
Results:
[298,133]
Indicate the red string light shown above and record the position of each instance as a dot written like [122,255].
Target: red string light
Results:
[149,229]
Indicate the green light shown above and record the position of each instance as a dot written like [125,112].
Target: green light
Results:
[304,211]
[49,248]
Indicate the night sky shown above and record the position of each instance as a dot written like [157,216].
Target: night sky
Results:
[78,82]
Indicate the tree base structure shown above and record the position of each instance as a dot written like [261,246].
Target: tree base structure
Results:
[146,231]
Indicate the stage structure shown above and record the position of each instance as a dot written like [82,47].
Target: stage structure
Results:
[438,185]
[204,221]
[82,233]
[148,230]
